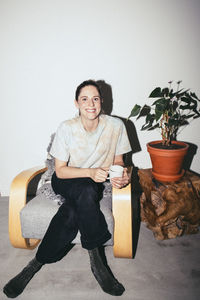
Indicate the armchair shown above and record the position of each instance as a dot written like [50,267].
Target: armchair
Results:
[23,199]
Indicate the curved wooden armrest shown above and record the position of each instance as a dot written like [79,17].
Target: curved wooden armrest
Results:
[17,200]
[122,212]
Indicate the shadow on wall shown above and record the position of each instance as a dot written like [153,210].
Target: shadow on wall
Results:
[107,107]
[136,190]
[192,150]
[106,92]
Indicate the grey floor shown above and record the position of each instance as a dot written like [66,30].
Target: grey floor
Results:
[161,270]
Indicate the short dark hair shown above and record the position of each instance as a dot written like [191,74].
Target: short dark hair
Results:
[86,83]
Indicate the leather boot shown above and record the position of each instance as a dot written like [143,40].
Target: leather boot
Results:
[16,285]
[106,280]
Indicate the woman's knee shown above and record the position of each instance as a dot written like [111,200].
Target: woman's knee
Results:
[88,192]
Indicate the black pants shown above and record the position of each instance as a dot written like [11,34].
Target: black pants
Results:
[80,211]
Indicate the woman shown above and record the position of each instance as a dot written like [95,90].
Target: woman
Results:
[84,148]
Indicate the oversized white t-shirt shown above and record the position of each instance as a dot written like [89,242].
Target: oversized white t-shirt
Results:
[83,149]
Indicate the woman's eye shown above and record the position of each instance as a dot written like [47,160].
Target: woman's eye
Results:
[96,99]
[84,99]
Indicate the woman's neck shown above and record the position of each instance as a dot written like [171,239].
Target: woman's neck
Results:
[90,125]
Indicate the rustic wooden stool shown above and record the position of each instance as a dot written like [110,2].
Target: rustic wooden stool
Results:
[170,209]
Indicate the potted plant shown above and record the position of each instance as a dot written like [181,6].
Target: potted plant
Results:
[170,111]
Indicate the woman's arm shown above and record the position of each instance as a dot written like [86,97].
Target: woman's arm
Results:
[66,172]
[118,160]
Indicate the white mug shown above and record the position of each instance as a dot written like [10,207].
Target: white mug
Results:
[115,171]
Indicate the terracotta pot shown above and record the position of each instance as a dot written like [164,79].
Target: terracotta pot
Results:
[167,164]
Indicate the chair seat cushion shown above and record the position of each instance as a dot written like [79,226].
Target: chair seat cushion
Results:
[38,212]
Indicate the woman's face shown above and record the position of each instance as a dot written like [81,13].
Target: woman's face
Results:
[89,103]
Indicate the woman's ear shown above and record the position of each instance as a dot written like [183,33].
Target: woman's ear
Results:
[76,103]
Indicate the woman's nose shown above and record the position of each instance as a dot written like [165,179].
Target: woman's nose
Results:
[91,102]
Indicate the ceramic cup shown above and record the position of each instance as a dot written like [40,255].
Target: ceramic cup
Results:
[115,171]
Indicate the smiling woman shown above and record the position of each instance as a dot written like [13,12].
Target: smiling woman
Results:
[84,148]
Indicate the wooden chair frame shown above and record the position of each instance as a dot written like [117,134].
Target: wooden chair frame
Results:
[121,207]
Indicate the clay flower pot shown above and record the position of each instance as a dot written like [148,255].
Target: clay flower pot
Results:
[167,163]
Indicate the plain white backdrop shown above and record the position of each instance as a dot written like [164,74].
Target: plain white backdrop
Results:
[47,47]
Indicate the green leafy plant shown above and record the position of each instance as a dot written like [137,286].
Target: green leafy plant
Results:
[170,110]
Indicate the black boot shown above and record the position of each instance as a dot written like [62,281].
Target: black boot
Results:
[16,285]
[106,280]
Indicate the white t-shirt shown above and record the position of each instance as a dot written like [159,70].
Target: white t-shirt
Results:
[83,149]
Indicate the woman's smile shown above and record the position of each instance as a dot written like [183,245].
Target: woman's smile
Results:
[89,110]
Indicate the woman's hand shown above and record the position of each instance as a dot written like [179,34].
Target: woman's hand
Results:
[98,174]
[120,182]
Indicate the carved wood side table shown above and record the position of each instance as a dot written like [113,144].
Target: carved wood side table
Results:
[170,209]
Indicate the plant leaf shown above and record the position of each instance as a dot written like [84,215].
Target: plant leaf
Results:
[145,110]
[175,105]
[153,127]
[165,92]
[194,96]
[158,114]
[180,92]
[156,93]
[135,111]
[191,106]
[189,116]
[171,93]
[158,101]
[146,126]
[173,122]
[197,113]
[150,117]
[185,99]
[197,116]
[183,122]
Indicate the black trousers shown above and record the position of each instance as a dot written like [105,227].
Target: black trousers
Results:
[80,211]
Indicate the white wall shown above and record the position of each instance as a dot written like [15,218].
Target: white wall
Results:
[49,46]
